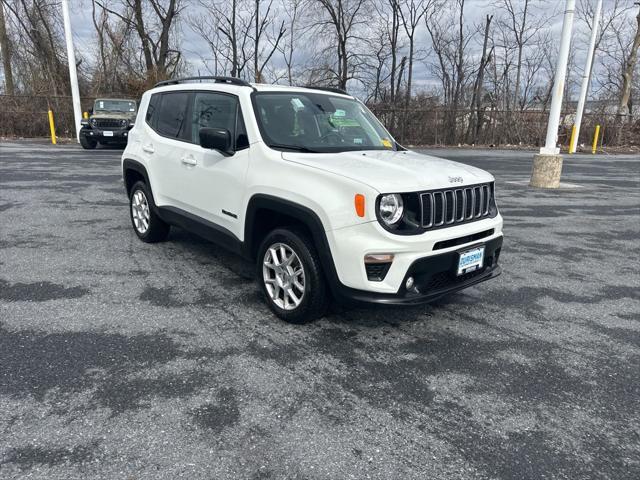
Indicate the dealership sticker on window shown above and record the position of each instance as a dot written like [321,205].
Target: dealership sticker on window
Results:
[297,103]
[386,143]
[339,113]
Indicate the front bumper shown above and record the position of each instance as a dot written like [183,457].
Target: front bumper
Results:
[116,135]
[350,245]
[434,277]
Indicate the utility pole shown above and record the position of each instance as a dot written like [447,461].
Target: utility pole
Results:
[586,77]
[73,74]
[547,165]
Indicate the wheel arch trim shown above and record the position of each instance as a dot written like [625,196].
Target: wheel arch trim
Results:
[301,213]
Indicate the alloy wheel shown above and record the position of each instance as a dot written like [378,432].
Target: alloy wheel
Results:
[140,211]
[283,275]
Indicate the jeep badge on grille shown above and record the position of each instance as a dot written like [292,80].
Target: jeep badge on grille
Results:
[456,179]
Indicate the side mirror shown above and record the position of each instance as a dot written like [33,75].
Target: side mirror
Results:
[216,139]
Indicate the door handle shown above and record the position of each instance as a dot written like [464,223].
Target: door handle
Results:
[189,161]
[148,148]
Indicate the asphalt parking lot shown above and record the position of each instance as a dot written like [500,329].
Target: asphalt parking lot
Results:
[120,359]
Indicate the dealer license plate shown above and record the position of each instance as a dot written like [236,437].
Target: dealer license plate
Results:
[107,133]
[471,260]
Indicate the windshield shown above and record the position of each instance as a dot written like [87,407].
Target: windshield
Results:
[114,106]
[315,122]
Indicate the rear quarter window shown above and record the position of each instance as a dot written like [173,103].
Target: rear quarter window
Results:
[151,109]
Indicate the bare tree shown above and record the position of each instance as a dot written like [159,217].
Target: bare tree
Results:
[628,71]
[343,17]
[160,58]
[411,13]
[524,26]
[41,65]
[5,51]
[475,121]
[450,48]
[288,44]
[261,24]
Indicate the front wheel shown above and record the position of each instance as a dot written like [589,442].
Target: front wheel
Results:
[87,144]
[149,227]
[290,276]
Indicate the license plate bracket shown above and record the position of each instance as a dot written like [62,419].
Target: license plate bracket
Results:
[471,260]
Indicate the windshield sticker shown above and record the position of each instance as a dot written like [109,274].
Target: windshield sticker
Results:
[297,103]
[339,113]
[357,141]
[386,143]
[101,104]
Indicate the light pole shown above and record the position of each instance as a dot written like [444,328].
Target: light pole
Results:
[73,74]
[547,165]
[586,77]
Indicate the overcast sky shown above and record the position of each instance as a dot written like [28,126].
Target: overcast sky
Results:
[475,11]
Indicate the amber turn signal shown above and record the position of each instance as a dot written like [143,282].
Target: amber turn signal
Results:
[359,202]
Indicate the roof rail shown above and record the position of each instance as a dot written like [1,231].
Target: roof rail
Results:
[328,89]
[216,79]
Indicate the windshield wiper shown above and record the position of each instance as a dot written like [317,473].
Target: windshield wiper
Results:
[295,148]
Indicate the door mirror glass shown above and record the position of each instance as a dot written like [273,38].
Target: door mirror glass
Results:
[216,139]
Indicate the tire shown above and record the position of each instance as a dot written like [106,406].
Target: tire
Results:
[281,287]
[86,143]
[149,227]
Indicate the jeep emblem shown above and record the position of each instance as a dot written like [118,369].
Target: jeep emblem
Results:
[456,179]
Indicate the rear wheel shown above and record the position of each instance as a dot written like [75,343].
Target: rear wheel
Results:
[146,223]
[290,276]
[87,143]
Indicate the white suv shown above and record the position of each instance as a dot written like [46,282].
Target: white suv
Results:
[307,184]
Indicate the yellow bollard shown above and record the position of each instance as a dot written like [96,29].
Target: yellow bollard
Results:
[573,136]
[52,127]
[594,148]
[85,115]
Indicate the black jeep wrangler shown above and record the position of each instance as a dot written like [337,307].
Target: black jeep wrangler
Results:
[109,122]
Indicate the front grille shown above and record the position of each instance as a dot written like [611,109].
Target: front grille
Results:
[108,123]
[459,205]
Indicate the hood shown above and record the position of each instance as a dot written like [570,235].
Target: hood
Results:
[390,171]
[115,115]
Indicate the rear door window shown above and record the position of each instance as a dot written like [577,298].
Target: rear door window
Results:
[172,114]
[217,110]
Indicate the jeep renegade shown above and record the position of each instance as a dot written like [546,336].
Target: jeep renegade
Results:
[307,184]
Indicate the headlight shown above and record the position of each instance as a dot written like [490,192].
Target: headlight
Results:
[93,122]
[124,123]
[391,208]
